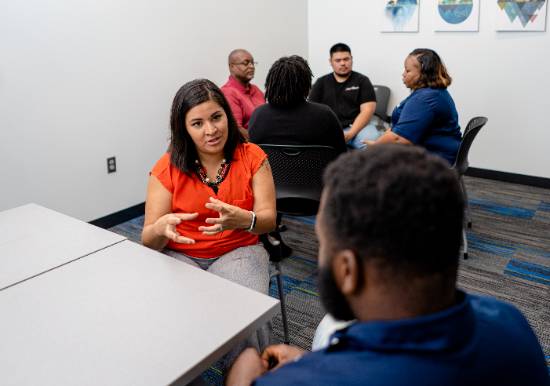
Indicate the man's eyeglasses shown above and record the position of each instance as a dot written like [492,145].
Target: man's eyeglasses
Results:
[247,63]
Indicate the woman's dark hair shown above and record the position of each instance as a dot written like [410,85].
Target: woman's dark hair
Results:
[432,70]
[182,148]
[288,81]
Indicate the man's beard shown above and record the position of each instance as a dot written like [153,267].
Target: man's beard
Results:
[331,297]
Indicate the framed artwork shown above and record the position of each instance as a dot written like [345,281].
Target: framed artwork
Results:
[456,15]
[400,16]
[520,15]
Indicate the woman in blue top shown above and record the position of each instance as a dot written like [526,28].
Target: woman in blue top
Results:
[428,116]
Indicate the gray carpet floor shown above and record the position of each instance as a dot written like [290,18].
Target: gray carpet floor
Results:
[509,258]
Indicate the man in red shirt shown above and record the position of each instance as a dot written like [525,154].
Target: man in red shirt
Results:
[243,97]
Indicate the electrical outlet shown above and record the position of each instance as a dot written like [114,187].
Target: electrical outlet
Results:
[111,165]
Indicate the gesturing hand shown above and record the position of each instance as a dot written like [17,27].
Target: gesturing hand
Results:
[277,355]
[166,226]
[231,217]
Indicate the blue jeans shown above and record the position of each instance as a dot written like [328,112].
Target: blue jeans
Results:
[369,132]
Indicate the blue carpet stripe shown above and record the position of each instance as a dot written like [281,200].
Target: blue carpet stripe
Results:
[305,260]
[488,245]
[288,284]
[527,277]
[508,211]
[309,284]
[293,285]
[305,219]
[534,251]
[532,267]
[529,271]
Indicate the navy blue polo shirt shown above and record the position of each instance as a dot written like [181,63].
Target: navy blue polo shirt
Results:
[479,341]
[428,118]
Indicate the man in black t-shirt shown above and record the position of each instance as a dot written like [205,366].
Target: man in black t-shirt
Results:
[350,95]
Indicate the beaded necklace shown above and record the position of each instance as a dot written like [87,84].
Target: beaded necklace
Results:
[220,176]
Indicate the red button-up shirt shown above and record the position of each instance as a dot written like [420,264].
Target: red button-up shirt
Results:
[243,100]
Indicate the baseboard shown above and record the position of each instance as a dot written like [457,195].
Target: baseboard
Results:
[138,210]
[119,217]
[513,178]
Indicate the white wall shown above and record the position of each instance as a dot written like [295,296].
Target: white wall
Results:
[84,80]
[502,75]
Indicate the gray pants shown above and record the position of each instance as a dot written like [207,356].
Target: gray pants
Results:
[247,266]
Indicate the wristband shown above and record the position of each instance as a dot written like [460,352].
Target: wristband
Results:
[252,223]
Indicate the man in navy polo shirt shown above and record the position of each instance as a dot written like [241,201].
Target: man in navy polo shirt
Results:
[389,230]
[350,95]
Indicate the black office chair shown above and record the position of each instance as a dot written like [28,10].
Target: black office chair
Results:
[461,166]
[382,99]
[297,171]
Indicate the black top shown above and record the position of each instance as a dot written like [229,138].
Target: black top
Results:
[304,124]
[343,98]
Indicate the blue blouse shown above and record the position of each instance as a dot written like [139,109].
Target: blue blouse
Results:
[428,118]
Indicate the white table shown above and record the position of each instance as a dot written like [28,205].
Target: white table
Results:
[125,315]
[34,239]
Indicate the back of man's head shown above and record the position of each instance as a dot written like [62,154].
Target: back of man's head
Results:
[339,47]
[398,206]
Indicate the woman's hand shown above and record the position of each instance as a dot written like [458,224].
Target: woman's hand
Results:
[166,226]
[277,355]
[231,217]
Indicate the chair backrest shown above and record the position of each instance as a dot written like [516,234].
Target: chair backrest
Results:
[382,100]
[298,171]
[473,127]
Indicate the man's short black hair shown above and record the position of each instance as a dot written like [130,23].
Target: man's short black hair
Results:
[396,204]
[339,47]
[288,81]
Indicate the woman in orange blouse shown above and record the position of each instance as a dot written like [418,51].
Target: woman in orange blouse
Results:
[211,194]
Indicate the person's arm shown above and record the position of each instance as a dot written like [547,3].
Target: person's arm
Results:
[389,137]
[233,217]
[255,127]
[263,187]
[245,133]
[338,140]
[361,120]
[316,92]
[413,122]
[236,109]
[160,223]
[277,355]
[249,365]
